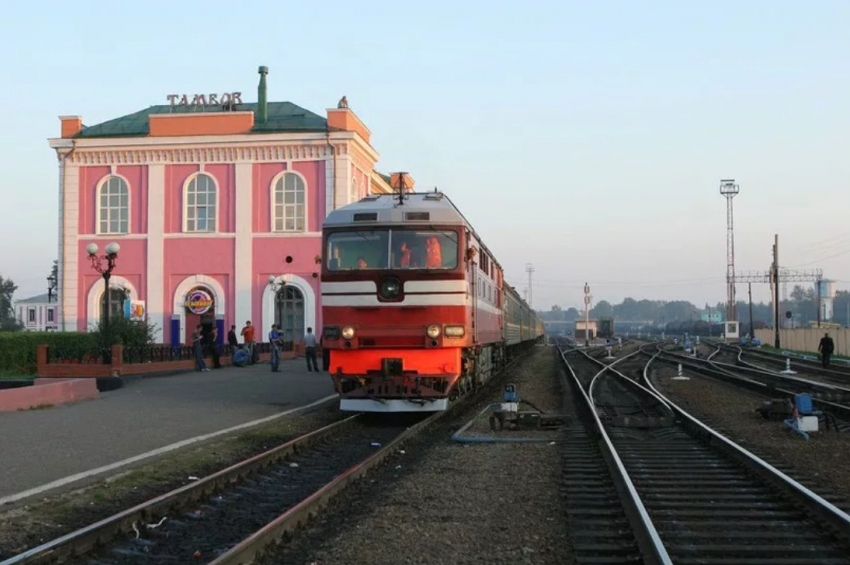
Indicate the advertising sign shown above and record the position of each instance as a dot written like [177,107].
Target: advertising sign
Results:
[134,309]
[198,301]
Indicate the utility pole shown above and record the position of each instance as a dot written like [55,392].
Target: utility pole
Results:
[818,285]
[529,268]
[775,279]
[752,330]
[586,315]
[729,189]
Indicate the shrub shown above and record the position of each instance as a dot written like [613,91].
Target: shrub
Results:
[129,333]
[18,350]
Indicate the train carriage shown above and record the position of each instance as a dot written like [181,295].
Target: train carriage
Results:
[414,305]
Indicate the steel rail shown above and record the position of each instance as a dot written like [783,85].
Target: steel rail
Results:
[251,547]
[646,535]
[85,539]
[736,375]
[834,516]
[836,380]
[254,545]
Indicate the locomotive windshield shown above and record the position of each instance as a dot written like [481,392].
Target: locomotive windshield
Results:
[430,249]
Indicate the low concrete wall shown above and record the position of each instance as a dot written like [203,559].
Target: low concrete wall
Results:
[807,339]
[48,392]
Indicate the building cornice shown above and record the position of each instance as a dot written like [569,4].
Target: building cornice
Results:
[210,149]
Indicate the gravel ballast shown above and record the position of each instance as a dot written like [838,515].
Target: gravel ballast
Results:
[445,502]
[822,463]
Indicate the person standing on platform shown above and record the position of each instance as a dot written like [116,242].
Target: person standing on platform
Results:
[248,337]
[197,345]
[310,342]
[232,340]
[826,347]
[274,346]
[214,348]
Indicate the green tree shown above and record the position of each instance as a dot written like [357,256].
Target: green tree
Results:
[8,322]
[603,309]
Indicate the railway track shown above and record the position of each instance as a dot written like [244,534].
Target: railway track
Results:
[772,361]
[693,496]
[230,516]
[834,401]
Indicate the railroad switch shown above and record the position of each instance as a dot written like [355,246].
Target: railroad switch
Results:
[511,417]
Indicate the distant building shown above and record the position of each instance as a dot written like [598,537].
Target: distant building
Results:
[711,315]
[580,332]
[37,314]
[209,197]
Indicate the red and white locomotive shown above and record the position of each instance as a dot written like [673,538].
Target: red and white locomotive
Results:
[414,305]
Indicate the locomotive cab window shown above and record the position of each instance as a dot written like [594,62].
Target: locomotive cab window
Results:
[423,249]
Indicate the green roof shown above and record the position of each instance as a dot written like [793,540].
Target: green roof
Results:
[282,117]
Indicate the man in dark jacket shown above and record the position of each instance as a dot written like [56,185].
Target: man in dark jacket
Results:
[232,340]
[826,347]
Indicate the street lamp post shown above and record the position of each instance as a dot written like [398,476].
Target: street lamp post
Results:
[51,286]
[104,265]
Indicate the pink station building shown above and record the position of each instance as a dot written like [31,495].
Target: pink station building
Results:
[208,197]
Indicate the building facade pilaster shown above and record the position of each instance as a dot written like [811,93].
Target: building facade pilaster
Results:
[243,260]
[155,263]
[69,261]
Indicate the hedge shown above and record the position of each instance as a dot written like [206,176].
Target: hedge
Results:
[18,350]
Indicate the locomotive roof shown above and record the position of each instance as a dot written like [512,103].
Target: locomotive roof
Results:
[384,209]
[427,208]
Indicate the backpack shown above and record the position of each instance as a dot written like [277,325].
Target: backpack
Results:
[240,357]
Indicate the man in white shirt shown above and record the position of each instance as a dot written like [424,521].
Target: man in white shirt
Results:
[310,342]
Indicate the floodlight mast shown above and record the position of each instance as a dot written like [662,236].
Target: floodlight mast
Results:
[729,189]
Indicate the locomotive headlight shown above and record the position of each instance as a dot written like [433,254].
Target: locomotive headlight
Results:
[347,332]
[455,331]
[390,287]
[433,331]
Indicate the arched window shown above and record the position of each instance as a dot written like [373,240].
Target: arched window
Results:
[117,296]
[113,211]
[200,200]
[288,196]
[354,194]
[290,313]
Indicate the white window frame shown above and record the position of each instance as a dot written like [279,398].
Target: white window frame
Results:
[51,316]
[281,178]
[215,215]
[99,208]
[31,317]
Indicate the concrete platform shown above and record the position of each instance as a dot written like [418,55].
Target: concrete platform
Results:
[44,449]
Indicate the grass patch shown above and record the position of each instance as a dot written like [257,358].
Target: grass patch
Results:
[772,349]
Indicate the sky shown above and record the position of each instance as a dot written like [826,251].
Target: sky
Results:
[585,138]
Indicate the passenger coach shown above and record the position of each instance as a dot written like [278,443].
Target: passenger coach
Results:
[414,304]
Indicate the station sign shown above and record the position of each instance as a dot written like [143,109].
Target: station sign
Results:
[198,301]
[205,100]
